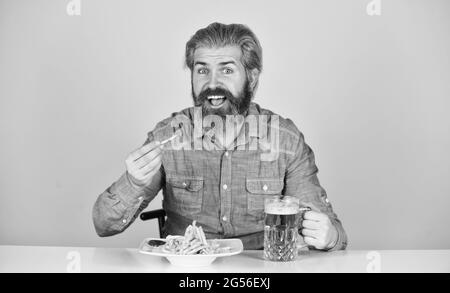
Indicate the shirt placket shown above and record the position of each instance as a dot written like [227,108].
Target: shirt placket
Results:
[225,193]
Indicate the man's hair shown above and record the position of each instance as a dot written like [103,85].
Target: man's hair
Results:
[221,35]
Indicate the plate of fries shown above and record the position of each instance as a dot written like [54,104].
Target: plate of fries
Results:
[192,249]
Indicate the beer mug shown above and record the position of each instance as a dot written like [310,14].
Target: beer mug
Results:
[281,223]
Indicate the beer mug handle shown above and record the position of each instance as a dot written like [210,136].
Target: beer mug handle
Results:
[300,242]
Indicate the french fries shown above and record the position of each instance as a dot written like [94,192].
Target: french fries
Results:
[193,242]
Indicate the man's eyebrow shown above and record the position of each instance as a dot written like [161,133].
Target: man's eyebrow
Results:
[227,62]
[199,63]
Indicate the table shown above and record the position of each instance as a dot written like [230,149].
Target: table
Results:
[91,259]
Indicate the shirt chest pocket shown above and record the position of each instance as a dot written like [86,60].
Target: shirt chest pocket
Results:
[257,190]
[185,194]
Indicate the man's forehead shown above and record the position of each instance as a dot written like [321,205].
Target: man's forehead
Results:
[213,55]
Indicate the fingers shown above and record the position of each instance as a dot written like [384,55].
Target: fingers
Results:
[148,158]
[309,224]
[135,155]
[144,176]
[318,230]
[315,216]
[143,166]
[144,162]
[154,164]
[311,233]
[313,242]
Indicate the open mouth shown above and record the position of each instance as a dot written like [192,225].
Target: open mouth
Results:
[217,101]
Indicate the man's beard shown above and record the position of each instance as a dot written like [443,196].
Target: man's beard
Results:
[234,105]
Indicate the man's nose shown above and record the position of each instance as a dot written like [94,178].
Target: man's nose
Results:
[213,81]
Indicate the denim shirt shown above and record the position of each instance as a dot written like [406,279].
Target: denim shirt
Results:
[223,189]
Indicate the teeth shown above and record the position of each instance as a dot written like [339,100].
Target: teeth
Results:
[215,97]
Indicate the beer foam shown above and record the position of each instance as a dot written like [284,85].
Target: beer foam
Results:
[281,208]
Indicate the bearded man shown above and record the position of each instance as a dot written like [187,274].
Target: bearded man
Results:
[222,185]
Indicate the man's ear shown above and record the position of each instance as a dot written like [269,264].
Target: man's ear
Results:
[253,78]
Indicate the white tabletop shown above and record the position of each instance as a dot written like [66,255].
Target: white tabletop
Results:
[89,259]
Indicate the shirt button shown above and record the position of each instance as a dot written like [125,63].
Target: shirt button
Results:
[124,221]
[225,187]
[265,187]
[224,218]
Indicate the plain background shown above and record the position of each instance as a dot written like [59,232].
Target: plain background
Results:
[370,93]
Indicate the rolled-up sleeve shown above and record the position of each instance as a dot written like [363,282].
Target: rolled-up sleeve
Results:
[301,180]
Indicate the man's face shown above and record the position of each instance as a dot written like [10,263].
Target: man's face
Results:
[219,82]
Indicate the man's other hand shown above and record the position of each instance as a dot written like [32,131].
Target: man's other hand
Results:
[318,231]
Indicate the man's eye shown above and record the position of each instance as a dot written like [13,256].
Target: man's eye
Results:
[202,71]
[227,70]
